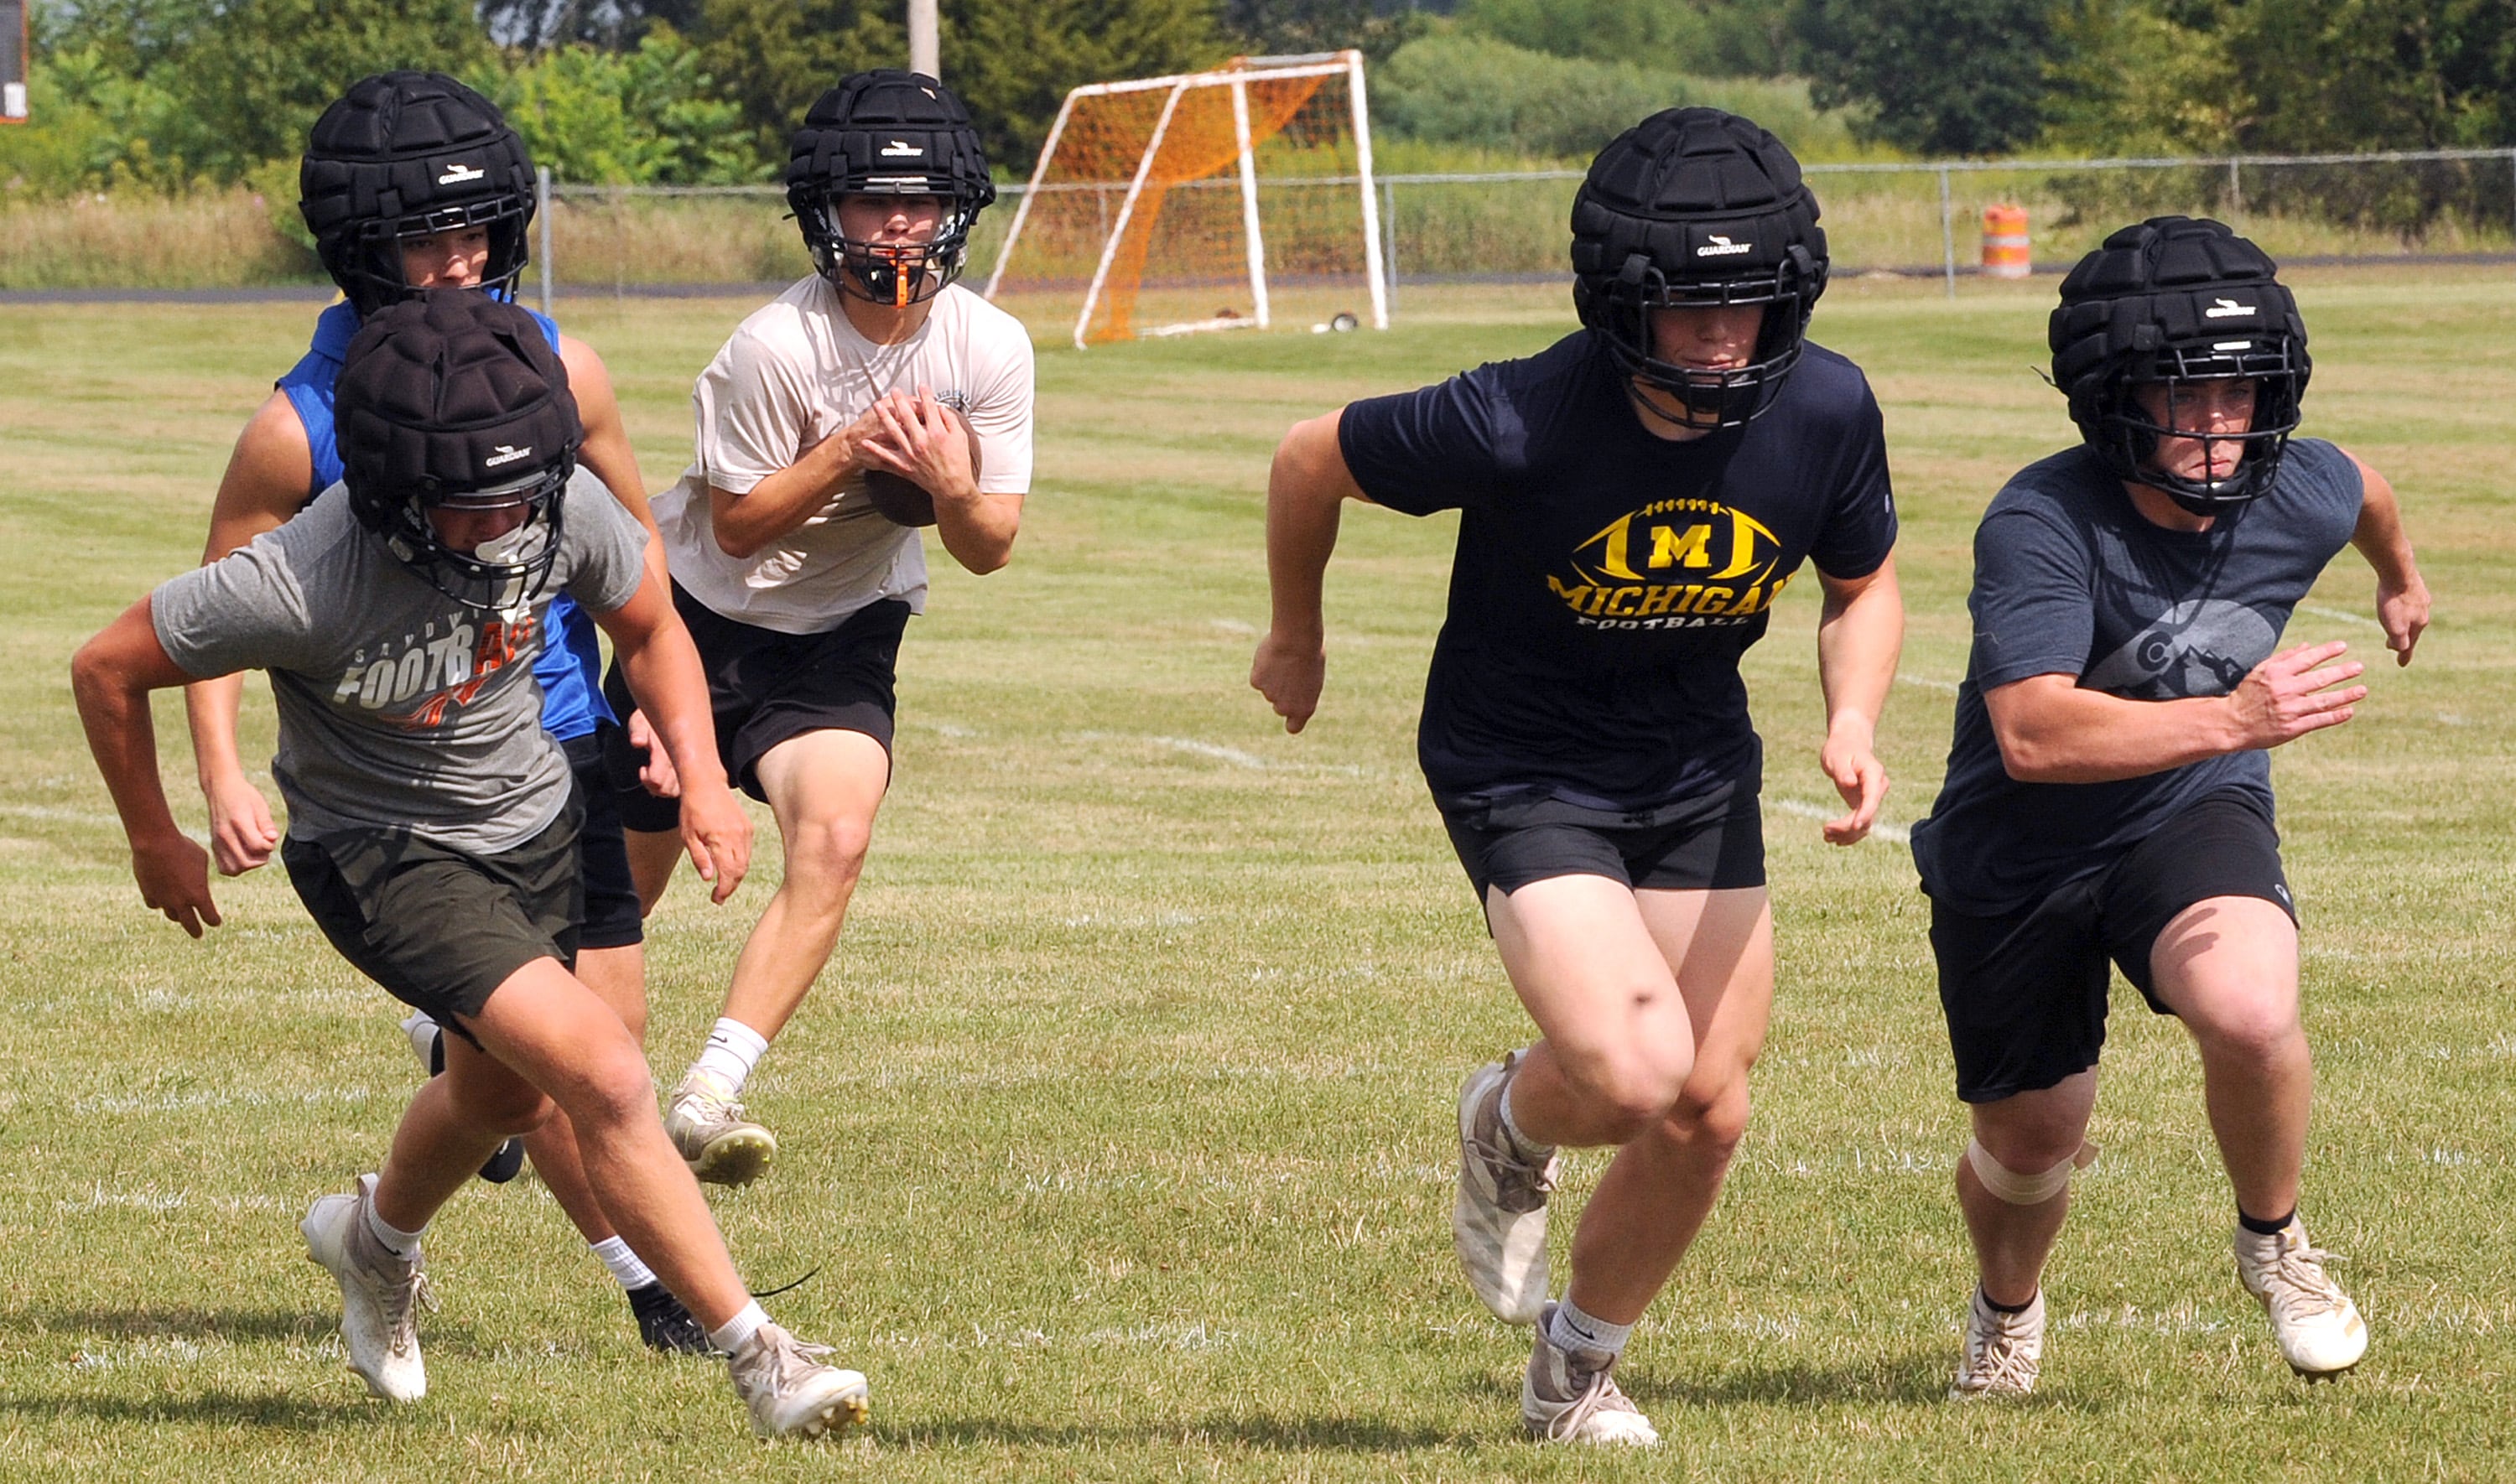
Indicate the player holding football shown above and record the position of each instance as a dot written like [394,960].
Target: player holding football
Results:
[1634,500]
[2109,789]
[413,181]
[432,822]
[793,581]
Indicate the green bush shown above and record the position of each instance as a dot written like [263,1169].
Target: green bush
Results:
[1471,90]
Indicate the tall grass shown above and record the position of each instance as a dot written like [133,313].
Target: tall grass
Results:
[198,240]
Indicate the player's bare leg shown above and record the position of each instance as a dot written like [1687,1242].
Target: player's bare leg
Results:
[653,856]
[1652,1006]
[2033,1141]
[2228,968]
[825,787]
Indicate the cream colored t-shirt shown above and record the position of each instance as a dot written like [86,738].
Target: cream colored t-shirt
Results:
[794,373]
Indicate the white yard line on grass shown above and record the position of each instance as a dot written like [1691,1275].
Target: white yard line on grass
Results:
[2339,616]
[1893,834]
[1944,687]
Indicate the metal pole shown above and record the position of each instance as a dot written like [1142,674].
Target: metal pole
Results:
[925,46]
[2235,196]
[1948,234]
[542,204]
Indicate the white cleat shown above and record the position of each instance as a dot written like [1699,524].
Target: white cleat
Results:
[791,1393]
[2319,1328]
[380,1294]
[1498,1219]
[1572,1397]
[706,1124]
[2002,1351]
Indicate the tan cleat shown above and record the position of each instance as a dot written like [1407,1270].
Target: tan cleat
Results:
[1498,1217]
[380,1294]
[791,1393]
[719,1144]
[1572,1397]
[2003,1352]
[2319,1328]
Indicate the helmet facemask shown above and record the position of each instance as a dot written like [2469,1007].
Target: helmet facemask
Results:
[1712,398]
[2127,438]
[371,272]
[506,574]
[894,274]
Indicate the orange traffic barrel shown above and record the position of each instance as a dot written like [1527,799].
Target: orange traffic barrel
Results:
[2004,242]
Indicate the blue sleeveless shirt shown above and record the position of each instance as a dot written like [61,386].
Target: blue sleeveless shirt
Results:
[570,666]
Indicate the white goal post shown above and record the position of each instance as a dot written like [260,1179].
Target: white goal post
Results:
[1143,141]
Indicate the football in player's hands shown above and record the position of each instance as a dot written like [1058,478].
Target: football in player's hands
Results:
[902,500]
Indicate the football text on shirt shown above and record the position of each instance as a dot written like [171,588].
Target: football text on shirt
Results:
[1673,564]
[449,660]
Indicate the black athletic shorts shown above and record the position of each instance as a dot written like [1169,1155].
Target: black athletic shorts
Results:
[2025,991]
[439,927]
[612,915]
[1716,844]
[765,687]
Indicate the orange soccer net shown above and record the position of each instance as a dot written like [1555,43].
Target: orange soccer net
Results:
[1205,201]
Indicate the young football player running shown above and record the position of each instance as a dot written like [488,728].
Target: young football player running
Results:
[412,180]
[2109,789]
[1634,500]
[432,823]
[873,387]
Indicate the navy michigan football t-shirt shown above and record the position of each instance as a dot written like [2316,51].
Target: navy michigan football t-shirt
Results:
[2070,579]
[1607,581]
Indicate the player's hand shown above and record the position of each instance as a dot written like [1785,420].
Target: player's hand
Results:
[2403,611]
[829,462]
[923,441]
[1852,764]
[242,835]
[655,775]
[174,875]
[2295,692]
[717,834]
[1289,673]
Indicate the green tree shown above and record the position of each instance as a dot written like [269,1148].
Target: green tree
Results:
[1938,76]
[1277,27]
[1014,60]
[648,116]
[772,57]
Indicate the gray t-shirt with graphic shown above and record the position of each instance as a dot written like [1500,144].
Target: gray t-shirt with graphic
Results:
[2070,579]
[400,708]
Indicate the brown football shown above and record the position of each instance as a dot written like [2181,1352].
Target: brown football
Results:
[900,500]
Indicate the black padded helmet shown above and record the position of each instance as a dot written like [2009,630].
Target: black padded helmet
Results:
[888,132]
[1696,206]
[406,155]
[453,398]
[2173,301]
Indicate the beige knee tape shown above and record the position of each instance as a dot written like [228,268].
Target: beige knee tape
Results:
[2026,1189]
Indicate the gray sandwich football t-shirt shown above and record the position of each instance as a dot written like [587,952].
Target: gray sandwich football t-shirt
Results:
[400,708]
[2070,579]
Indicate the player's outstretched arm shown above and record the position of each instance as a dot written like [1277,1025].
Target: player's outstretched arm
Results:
[268,477]
[1307,487]
[2401,598]
[662,668]
[1859,636]
[111,676]
[2050,730]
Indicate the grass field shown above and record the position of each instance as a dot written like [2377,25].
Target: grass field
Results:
[1120,1127]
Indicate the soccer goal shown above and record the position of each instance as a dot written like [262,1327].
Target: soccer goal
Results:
[1206,201]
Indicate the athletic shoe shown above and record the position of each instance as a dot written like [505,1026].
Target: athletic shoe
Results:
[2318,1327]
[427,1044]
[719,1145]
[790,1393]
[2002,1351]
[1498,1220]
[1570,1396]
[664,1324]
[380,1294]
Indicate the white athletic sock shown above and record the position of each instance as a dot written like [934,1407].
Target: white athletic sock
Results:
[1573,1330]
[623,1263]
[733,1049]
[1531,1149]
[741,1327]
[401,1244]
